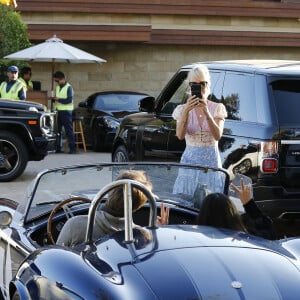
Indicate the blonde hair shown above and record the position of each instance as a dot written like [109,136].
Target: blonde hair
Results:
[115,200]
[196,74]
[199,71]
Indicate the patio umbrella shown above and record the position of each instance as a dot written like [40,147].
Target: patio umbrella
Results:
[54,50]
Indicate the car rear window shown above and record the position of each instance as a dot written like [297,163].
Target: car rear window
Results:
[118,102]
[287,101]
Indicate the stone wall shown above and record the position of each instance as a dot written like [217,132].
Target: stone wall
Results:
[144,68]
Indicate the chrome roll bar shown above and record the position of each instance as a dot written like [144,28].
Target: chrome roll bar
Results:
[127,195]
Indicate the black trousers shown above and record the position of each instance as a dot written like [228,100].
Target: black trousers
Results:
[64,119]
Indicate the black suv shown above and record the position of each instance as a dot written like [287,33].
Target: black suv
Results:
[261,136]
[27,133]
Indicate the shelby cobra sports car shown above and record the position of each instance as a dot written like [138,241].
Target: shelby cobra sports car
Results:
[176,261]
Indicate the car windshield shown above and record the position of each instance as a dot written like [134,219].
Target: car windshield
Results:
[52,186]
[118,102]
[287,101]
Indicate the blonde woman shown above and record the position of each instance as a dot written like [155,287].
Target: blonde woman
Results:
[200,122]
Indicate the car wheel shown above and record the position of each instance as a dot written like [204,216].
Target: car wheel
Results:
[120,155]
[243,168]
[13,156]
[16,296]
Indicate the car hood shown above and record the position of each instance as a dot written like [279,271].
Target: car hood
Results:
[20,104]
[137,118]
[215,264]
[119,114]
[220,273]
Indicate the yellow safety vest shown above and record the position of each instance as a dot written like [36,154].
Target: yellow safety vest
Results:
[12,3]
[62,93]
[25,83]
[13,92]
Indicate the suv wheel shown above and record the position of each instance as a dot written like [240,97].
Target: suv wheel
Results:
[13,156]
[120,155]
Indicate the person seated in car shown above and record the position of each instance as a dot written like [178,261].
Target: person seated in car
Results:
[110,217]
[217,210]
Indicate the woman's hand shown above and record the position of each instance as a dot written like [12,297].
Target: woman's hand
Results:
[163,219]
[244,193]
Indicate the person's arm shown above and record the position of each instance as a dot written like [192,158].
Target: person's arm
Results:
[182,121]
[215,124]
[22,94]
[255,221]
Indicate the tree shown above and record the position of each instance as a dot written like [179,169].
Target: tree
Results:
[13,36]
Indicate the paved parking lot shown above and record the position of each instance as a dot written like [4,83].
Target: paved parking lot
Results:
[15,189]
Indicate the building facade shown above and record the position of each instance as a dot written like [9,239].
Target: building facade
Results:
[145,42]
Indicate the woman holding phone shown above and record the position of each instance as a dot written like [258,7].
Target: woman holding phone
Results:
[200,122]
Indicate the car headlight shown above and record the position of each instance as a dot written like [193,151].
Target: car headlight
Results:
[47,123]
[111,123]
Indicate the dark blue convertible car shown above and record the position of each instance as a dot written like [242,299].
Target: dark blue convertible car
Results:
[175,261]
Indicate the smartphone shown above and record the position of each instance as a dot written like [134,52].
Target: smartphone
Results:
[196,90]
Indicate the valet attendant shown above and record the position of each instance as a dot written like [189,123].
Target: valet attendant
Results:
[26,78]
[12,88]
[64,106]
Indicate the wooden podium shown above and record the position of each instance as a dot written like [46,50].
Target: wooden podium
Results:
[38,96]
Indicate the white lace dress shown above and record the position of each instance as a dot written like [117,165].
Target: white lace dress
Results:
[201,149]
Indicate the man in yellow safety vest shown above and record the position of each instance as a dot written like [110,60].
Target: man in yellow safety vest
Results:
[26,78]
[64,105]
[12,88]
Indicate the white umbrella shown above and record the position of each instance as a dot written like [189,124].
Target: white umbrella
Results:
[54,50]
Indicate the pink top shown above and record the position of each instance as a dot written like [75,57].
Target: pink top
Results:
[196,134]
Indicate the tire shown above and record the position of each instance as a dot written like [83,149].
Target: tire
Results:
[16,296]
[243,167]
[13,156]
[120,155]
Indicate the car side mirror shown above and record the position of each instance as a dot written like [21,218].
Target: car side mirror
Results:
[147,104]
[82,104]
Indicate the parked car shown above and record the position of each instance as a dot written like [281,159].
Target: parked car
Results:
[262,101]
[27,133]
[102,113]
[193,261]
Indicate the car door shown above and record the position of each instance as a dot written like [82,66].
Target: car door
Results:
[240,144]
[159,133]
[85,109]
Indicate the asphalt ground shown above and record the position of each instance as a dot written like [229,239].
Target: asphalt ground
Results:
[16,189]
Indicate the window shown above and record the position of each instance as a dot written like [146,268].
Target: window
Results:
[179,94]
[239,97]
[217,79]
[287,101]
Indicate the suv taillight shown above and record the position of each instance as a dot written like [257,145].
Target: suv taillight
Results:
[269,157]
[269,165]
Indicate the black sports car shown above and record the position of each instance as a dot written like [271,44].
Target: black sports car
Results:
[102,113]
[175,261]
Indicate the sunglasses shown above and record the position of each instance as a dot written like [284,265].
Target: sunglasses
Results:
[202,83]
